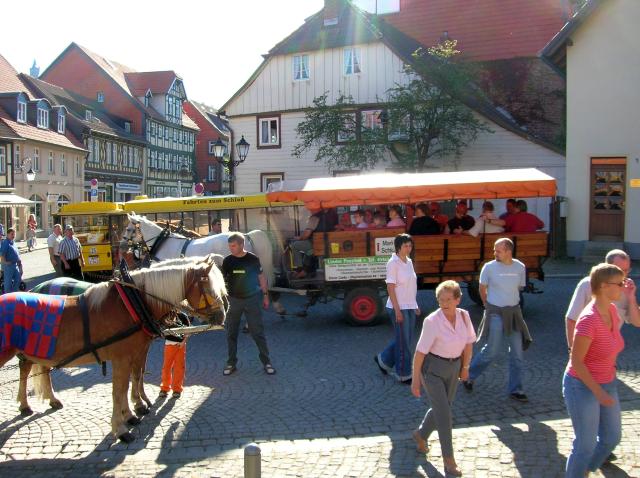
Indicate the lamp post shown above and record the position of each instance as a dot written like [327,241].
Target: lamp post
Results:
[22,168]
[242,150]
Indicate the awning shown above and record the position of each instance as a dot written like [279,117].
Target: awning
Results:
[403,188]
[13,200]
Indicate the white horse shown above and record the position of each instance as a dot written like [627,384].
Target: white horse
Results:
[177,245]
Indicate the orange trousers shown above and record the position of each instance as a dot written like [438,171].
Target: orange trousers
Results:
[173,367]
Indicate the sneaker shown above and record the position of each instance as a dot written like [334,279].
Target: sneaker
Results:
[163,394]
[468,385]
[377,361]
[269,370]
[521,397]
[612,457]
[229,369]
[176,395]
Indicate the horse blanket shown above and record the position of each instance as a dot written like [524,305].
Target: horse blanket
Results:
[62,286]
[30,322]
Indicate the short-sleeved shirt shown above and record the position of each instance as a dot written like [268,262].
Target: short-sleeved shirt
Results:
[241,275]
[483,227]
[53,242]
[466,222]
[605,346]
[71,248]
[440,338]
[404,277]
[503,282]
[9,251]
[582,296]
[396,222]
[523,222]
[424,225]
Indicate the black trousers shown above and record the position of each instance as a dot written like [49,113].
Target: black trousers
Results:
[74,269]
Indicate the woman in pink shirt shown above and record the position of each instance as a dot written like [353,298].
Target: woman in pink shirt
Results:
[589,384]
[443,355]
[395,216]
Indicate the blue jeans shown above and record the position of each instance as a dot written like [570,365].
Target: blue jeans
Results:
[397,357]
[491,349]
[597,428]
[12,277]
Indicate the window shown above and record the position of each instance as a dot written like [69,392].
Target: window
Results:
[269,132]
[212,173]
[147,98]
[352,65]
[379,7]
[348,131]
[78,168]
[371,119]
[3,159]
[21,116]
[100,97]
[61,121]
[127,126]
[268,178]
[36,159]
[63,165]
[51,165]
[43,116]
[17,155]
[36,209]
[301,67]
[88,115]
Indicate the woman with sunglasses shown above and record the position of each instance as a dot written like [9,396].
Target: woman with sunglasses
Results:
[589,384]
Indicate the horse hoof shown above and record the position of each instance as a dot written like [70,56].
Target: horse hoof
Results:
[56,404]
[25,412]
[142,410]
[134,421]
[126,437]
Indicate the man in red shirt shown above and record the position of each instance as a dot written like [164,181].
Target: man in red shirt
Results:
[521,221]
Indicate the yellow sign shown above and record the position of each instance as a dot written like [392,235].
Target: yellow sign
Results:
[634,183]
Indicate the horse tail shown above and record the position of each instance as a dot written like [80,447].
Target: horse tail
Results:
[264,250]
[39,375]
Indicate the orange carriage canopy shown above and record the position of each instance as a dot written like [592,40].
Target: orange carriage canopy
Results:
[409,188]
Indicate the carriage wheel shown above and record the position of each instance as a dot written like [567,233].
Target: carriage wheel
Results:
[362,306]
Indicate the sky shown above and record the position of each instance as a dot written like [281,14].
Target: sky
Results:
[213,45]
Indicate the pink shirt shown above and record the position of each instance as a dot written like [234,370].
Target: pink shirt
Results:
[404,277]
[397,222]
[440,338]
[605,344]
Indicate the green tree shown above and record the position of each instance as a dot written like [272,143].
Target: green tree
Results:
[424,119]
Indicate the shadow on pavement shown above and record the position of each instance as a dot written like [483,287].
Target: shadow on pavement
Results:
[613,471]
[404,460]
[524,443]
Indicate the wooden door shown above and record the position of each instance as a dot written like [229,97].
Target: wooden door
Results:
[608,177]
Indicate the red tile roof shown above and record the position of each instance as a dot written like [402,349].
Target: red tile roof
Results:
[9,81]
[33,133]
[156,81]
[485,29]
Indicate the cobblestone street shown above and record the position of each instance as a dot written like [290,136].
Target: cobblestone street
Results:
[328,412]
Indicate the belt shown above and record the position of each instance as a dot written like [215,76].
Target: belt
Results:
[444,358]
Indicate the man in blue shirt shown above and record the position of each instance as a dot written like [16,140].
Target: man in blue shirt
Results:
[11,263]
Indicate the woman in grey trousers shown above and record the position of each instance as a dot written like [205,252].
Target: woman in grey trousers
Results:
[442,357]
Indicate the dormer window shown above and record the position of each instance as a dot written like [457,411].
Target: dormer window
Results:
[100,97]
[147,98]
[21,115]
[127,126]
[88,115]
[42,115]
[61,121]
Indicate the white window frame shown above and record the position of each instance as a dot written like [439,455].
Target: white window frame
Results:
[3,159]
[21,114]
[88,115]
[270,142]
[370,119]
[345,138]
[61,121]
[78,169]
[17,155]
[268,178]
[100,96]
[352,61]
[212,173]
[51,166]
[300,64]
[36,159]
[43,118]
[63,165]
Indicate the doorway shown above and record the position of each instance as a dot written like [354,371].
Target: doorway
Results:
[606,218]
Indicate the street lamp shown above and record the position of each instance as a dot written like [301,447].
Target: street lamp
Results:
[22,168]
[242,150]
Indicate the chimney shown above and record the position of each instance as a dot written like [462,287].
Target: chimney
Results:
[332,9]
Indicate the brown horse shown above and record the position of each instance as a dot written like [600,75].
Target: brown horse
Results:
[162,288]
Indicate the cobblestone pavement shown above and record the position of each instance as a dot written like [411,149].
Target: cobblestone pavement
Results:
[328,412]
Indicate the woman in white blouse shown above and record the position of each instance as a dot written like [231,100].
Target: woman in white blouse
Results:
[443,355]
[402,307]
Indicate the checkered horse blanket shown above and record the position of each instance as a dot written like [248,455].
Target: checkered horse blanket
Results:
[62,286]
[30,322]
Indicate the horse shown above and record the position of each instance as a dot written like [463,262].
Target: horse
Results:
[109,318]
[176,245]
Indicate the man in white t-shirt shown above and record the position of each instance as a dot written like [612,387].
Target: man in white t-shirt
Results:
[53,242]
[501,281]
[627,305]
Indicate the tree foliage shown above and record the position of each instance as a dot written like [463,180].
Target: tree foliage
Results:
[424,119]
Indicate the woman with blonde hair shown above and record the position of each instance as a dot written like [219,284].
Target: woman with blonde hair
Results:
[442,356]
[589,384]
[30,234]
